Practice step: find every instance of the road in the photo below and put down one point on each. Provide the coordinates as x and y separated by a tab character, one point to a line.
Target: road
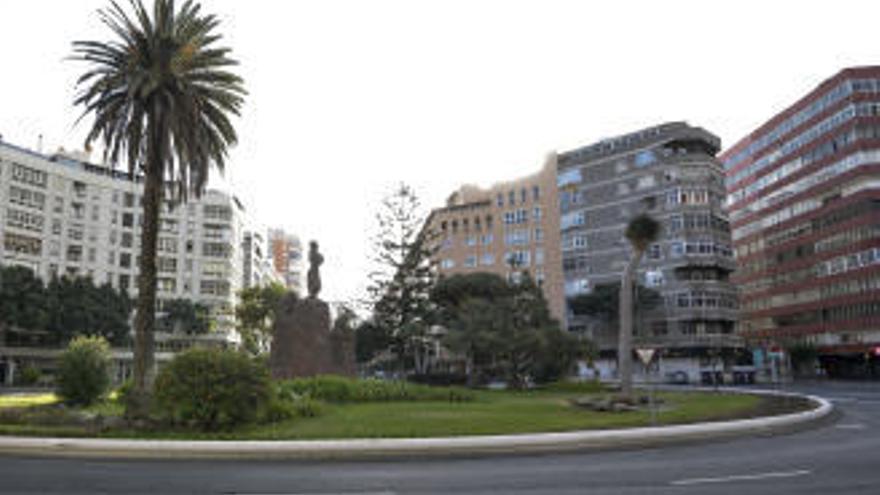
843	457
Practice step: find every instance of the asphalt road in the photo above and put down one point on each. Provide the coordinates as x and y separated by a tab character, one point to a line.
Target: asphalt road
841	458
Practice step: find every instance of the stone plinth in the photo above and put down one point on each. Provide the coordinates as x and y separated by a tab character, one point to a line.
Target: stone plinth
303	343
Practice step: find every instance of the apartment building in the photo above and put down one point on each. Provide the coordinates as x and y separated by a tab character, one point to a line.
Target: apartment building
504	229
61	215
287	258
671	173
804	202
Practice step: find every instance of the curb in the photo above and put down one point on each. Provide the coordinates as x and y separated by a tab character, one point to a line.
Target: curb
425	447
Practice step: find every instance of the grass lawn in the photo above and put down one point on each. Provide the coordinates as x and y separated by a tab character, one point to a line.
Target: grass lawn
492	412
27	400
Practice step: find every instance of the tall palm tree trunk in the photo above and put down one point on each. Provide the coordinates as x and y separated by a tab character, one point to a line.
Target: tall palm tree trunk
624	346
145	318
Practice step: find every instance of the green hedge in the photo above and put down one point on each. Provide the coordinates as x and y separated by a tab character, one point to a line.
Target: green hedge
332	388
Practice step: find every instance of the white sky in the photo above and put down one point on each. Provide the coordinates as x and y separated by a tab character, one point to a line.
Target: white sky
347	98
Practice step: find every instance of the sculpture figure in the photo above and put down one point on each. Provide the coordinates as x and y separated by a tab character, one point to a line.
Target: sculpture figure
314	277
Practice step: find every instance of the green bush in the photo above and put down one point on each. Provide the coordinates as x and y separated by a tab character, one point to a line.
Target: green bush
212	389
30	375
340	389
84	371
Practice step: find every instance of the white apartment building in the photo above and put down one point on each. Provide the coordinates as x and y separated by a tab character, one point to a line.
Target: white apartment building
61	215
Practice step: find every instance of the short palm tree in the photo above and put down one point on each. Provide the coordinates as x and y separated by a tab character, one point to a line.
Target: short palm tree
161	94
640	232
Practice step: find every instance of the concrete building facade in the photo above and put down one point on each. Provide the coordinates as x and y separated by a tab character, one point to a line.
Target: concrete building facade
485	229
804	201
61	215
671	173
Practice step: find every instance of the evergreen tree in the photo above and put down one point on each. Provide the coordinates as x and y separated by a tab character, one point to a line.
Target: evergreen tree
401	285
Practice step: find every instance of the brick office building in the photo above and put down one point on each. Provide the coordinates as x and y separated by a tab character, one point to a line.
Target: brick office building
804	202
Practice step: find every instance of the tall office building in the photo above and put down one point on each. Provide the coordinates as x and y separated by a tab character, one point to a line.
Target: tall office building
669	172
504	229
287	257
804	201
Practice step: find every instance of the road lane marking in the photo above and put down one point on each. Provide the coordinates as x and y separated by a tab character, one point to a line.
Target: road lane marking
852	426
316	493
741	477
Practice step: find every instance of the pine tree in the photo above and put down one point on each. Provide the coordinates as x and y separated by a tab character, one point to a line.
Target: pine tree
401	285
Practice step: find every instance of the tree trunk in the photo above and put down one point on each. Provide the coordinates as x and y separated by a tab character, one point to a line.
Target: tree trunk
139	403
624	346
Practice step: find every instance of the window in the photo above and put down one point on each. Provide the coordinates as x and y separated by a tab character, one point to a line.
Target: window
539	234
486	239
166	264
128	220
216	249
536	214
500	200
124	282
511	198
645	158
518	259
470	261
539	256
523	196
654	278
167	245
24	220
516	237
125	260
536	193
571	176
471	240
655	252
74	254
29	175
127	239
75	232
166	285
447	264
26	197
487	259
128	200
92	255
574	219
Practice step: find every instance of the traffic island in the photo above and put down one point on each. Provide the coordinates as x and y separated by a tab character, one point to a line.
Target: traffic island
818	410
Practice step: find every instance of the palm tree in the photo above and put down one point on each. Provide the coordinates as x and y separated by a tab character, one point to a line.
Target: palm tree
161	94
640	232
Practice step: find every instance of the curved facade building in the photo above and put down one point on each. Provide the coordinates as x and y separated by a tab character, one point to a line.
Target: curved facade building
670	172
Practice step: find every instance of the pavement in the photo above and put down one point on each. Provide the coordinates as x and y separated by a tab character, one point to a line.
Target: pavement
421	447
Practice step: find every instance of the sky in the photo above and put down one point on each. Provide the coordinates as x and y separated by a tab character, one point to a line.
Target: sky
349	98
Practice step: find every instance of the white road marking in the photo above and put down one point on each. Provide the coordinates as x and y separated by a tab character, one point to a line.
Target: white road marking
322	493
851	426
742	477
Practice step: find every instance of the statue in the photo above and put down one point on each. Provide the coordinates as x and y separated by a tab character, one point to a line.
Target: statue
304	342
314	277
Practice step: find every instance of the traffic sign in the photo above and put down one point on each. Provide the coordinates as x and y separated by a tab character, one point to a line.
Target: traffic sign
646	354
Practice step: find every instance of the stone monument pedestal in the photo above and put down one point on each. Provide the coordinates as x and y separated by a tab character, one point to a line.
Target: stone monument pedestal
304	344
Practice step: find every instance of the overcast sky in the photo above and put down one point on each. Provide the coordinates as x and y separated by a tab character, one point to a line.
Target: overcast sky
347	98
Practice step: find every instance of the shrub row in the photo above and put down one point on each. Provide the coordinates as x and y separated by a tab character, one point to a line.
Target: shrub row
340	389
